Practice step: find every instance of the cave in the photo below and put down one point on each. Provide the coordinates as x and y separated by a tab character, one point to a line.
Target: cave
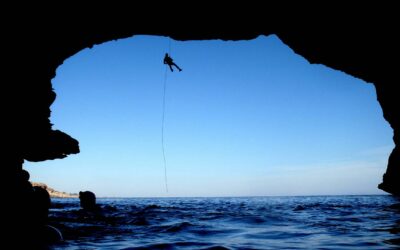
360	41
356	45
258	110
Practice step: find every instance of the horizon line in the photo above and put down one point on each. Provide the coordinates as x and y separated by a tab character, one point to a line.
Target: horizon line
222	196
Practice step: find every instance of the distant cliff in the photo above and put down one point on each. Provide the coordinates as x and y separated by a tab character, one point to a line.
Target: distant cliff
54	193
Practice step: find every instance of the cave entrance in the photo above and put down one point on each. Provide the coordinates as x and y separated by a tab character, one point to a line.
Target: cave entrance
242	118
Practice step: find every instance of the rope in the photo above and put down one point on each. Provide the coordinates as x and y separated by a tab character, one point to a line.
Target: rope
163	120
169	46
162	130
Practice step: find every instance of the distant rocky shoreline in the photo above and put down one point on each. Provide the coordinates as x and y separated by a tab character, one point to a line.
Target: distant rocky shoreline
54	193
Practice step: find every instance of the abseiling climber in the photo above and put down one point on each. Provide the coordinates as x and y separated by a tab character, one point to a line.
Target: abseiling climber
168	60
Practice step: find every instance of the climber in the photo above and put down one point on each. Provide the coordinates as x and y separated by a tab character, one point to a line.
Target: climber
168	60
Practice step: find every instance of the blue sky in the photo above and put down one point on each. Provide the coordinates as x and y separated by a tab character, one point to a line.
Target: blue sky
243	118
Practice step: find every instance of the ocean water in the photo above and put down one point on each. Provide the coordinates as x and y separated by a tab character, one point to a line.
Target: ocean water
313	222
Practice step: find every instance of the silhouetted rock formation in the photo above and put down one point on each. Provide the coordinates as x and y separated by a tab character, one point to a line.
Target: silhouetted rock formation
27	214
349	40
54	193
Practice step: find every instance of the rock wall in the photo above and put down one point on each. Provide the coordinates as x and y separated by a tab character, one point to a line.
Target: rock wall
359	41
54	193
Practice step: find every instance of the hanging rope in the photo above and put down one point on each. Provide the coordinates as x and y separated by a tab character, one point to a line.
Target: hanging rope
163	120
162	130
169	46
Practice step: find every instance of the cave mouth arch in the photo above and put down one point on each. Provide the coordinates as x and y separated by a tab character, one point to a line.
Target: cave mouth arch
182	103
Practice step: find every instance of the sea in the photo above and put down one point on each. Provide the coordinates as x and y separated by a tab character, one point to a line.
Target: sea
301	222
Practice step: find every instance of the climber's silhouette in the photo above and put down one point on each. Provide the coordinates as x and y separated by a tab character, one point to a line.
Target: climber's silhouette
168	60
